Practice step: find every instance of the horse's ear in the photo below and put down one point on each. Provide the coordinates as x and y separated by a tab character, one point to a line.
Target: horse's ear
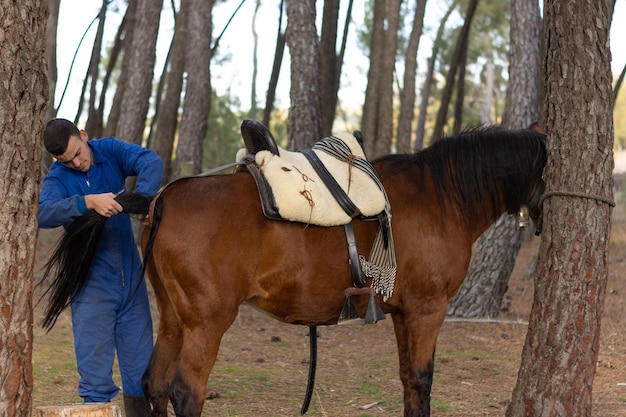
535	128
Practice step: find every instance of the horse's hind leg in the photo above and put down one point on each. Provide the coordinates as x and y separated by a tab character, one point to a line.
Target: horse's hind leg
158	375
201	344
416	337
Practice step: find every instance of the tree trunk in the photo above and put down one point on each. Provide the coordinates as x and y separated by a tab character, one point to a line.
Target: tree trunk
166	123
328	65
94	122
197	105
561	350
130	18
428	79
51	59
377	119
138	88
497	248
278	60
407	95
442	115
460	89
304	126
255	64
23	103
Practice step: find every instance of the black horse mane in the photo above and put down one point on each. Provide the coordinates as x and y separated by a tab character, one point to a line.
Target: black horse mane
70	262
480	167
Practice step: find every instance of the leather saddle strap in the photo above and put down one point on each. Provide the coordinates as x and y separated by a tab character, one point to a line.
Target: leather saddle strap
335	189
357	274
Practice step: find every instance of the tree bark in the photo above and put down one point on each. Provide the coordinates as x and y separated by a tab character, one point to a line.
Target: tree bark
428	79
51	59
407	95
304	126
116	107
140	71
197	104
23	105
278	60
487	278
94	118
377	119
561	350
457	57
166	123
328	65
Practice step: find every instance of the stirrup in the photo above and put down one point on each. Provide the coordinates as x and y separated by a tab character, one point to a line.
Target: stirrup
348	313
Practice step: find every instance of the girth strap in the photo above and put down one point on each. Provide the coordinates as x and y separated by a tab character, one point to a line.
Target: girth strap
357	274
335	189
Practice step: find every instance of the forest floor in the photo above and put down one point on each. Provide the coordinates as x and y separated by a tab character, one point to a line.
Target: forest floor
262	366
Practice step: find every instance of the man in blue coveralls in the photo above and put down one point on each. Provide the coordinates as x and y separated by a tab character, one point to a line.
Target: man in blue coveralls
112	312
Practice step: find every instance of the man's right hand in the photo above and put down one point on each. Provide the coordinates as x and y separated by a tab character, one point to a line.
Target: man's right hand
104	204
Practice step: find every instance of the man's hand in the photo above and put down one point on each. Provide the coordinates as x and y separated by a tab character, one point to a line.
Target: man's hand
104	204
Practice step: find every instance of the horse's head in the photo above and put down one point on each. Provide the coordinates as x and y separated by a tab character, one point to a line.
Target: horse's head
532	211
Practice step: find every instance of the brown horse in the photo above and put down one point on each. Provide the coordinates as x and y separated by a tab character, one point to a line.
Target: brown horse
212	249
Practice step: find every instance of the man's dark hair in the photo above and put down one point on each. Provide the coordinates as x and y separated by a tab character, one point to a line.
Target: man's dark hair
57	135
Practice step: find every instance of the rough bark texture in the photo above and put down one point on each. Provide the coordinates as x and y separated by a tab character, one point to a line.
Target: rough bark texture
197	104
457	58
407	95
164	129
51	59
487	279
483	289
561	349
23	102
377	118
328	65
304	126
428	79
116	107
140	70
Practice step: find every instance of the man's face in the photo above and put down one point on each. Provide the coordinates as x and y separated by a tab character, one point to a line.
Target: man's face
78	154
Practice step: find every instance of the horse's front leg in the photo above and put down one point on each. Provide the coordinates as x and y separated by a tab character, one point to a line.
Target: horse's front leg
201	342
416	335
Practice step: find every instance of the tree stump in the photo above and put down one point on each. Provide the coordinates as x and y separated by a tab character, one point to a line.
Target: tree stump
80	410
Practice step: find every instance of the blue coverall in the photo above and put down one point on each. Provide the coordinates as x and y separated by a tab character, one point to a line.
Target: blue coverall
112	312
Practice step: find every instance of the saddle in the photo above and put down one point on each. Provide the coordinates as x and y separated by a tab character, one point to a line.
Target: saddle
327	185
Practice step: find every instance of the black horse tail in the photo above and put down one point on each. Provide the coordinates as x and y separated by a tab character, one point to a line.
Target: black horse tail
155	221
74	254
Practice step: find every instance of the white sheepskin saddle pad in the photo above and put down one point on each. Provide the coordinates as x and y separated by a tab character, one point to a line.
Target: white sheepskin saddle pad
300	195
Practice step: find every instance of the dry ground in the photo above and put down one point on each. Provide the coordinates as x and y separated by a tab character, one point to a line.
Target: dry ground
262	366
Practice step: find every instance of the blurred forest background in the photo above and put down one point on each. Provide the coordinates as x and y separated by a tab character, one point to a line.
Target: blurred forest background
403	72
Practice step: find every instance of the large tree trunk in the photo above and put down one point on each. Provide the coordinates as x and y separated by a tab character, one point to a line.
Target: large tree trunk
23	103
407	95
304	126
197	105
377	118
561	349
490	270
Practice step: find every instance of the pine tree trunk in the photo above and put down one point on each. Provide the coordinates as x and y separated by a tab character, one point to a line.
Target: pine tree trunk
497	249
304	126
561	350
23	100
